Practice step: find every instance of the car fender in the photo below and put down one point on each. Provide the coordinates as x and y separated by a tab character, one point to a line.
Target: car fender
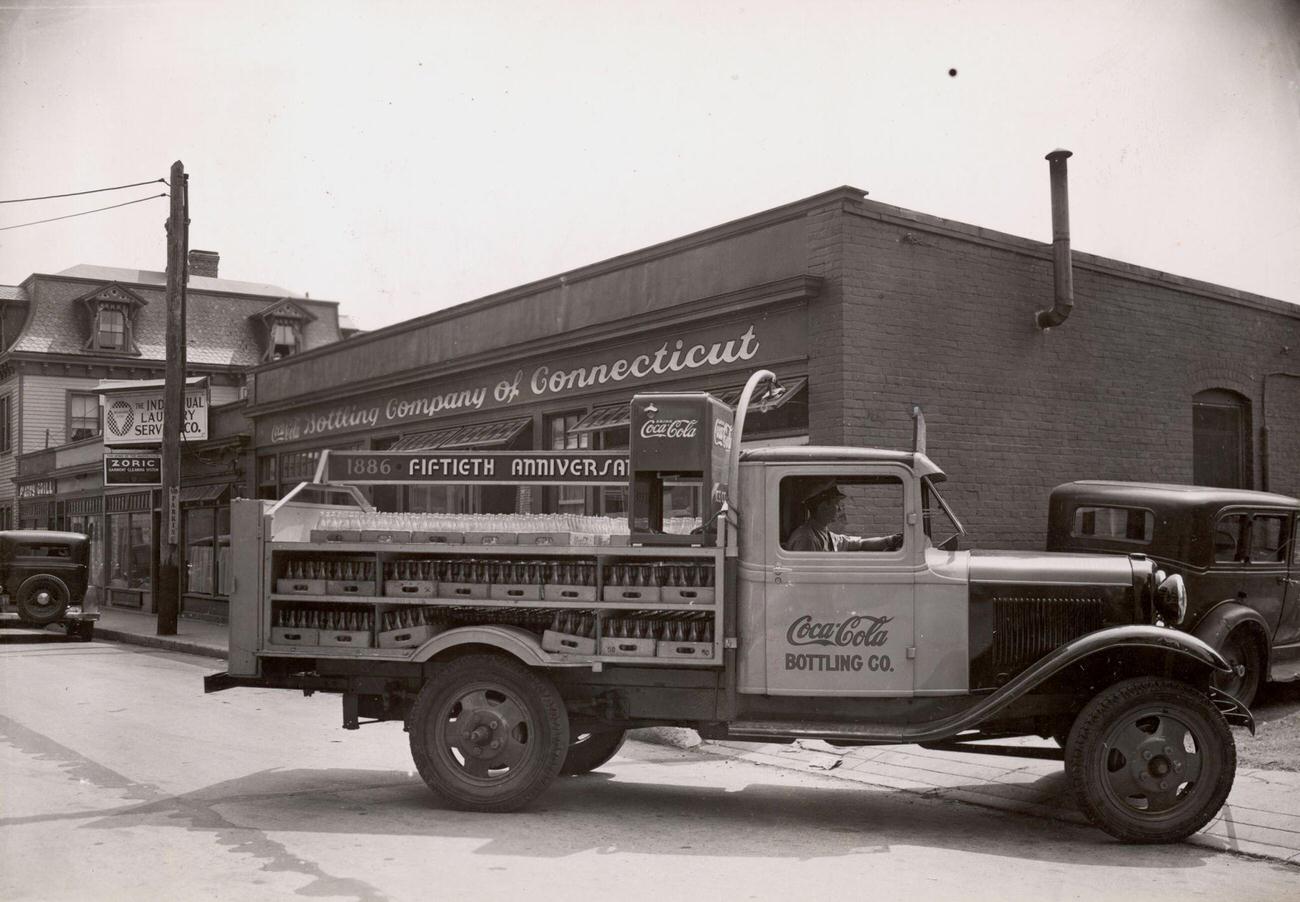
516	642
1225	617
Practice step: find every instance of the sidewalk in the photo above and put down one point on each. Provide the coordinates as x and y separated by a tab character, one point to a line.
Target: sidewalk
1261	817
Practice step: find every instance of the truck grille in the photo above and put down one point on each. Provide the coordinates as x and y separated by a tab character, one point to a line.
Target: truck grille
1026	628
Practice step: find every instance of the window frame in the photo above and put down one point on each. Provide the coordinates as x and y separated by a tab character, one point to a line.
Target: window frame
69	397
6	422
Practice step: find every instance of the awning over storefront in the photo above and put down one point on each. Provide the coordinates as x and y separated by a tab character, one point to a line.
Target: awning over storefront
614	416
611	416
487	435
200	494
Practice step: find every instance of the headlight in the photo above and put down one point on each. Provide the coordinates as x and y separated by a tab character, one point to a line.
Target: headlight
1171	597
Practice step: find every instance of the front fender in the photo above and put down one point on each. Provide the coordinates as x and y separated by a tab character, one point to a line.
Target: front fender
512	640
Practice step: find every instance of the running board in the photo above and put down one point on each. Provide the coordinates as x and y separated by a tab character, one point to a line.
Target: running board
770	731
1010	751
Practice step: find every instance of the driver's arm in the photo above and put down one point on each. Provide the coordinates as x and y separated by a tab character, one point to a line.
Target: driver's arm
876	543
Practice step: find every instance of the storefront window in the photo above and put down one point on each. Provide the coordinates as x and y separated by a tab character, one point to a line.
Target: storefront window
130	550
207	551
566	499
88	525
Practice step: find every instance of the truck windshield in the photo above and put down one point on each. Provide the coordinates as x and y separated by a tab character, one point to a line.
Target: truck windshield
941	524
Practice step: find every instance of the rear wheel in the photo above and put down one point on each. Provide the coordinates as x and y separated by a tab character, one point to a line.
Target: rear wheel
42	600
589	751
1150	760
1242	653
488	734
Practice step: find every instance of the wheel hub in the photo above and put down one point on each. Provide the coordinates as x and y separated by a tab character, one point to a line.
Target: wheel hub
483	736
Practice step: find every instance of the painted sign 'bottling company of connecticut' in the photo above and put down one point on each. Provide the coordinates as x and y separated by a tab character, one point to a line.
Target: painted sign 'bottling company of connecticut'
710	349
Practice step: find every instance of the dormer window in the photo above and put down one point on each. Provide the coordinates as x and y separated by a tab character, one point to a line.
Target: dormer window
284	339
112	328
282	326
112	313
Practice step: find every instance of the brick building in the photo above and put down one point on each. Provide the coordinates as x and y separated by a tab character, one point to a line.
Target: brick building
866	309
62	336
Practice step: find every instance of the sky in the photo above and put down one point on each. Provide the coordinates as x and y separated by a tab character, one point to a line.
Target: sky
400	157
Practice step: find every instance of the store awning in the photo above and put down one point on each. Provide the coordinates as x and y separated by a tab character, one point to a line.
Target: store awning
423	441
489	435
732	395
198	494
611	416
614	416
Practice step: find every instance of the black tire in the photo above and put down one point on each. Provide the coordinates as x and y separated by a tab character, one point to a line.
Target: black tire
588	751
1241	651
488	734
1150	760
42	599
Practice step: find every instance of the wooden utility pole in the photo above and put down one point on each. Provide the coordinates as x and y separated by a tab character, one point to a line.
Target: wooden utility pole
167	594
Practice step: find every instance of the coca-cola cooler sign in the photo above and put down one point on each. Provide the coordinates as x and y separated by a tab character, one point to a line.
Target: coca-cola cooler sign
686	432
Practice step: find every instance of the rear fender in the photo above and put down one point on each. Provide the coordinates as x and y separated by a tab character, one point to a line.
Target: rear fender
516	642
1227	616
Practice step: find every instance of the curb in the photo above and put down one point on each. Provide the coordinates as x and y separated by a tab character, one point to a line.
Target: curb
166	643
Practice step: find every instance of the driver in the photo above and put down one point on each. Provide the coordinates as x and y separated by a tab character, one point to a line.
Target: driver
825	505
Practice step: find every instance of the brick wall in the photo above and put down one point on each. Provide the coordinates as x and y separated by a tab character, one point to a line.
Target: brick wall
943	315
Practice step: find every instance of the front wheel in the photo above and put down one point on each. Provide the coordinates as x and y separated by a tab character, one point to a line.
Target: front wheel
1151	760
589	751
488	734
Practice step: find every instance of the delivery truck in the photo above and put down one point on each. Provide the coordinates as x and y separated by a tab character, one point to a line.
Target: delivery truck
817	593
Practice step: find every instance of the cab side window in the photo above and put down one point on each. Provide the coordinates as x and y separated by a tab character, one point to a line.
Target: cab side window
842	513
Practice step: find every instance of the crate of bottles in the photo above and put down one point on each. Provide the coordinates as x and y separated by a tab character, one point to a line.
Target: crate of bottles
544	539
293	635
351	578
463	579
434	537
686	583
410	579
291	585
386	536
629	636
570	581
571	634
327	536
407	628
631	582
491	538
685	638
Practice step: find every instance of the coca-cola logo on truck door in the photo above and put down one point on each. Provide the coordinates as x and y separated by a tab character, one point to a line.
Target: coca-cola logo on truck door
854	631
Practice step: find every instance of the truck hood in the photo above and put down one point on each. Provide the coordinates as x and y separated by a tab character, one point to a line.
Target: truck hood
1050	568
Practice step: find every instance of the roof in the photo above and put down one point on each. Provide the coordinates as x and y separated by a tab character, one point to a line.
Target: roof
218	327
919	463
151	277
12	293
1169	494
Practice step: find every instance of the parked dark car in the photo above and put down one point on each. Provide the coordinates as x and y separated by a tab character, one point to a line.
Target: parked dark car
1235	549
43	578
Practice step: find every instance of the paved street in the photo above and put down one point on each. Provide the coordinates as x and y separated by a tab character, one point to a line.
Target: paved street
121	780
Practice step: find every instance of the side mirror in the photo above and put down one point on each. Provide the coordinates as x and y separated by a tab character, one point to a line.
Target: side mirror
950	544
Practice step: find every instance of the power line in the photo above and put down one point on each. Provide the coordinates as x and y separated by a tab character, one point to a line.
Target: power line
138	200
23	200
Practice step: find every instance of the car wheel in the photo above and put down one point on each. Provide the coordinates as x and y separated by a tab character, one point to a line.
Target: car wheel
588	751
488	734
1150	760
42	599
1241	651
